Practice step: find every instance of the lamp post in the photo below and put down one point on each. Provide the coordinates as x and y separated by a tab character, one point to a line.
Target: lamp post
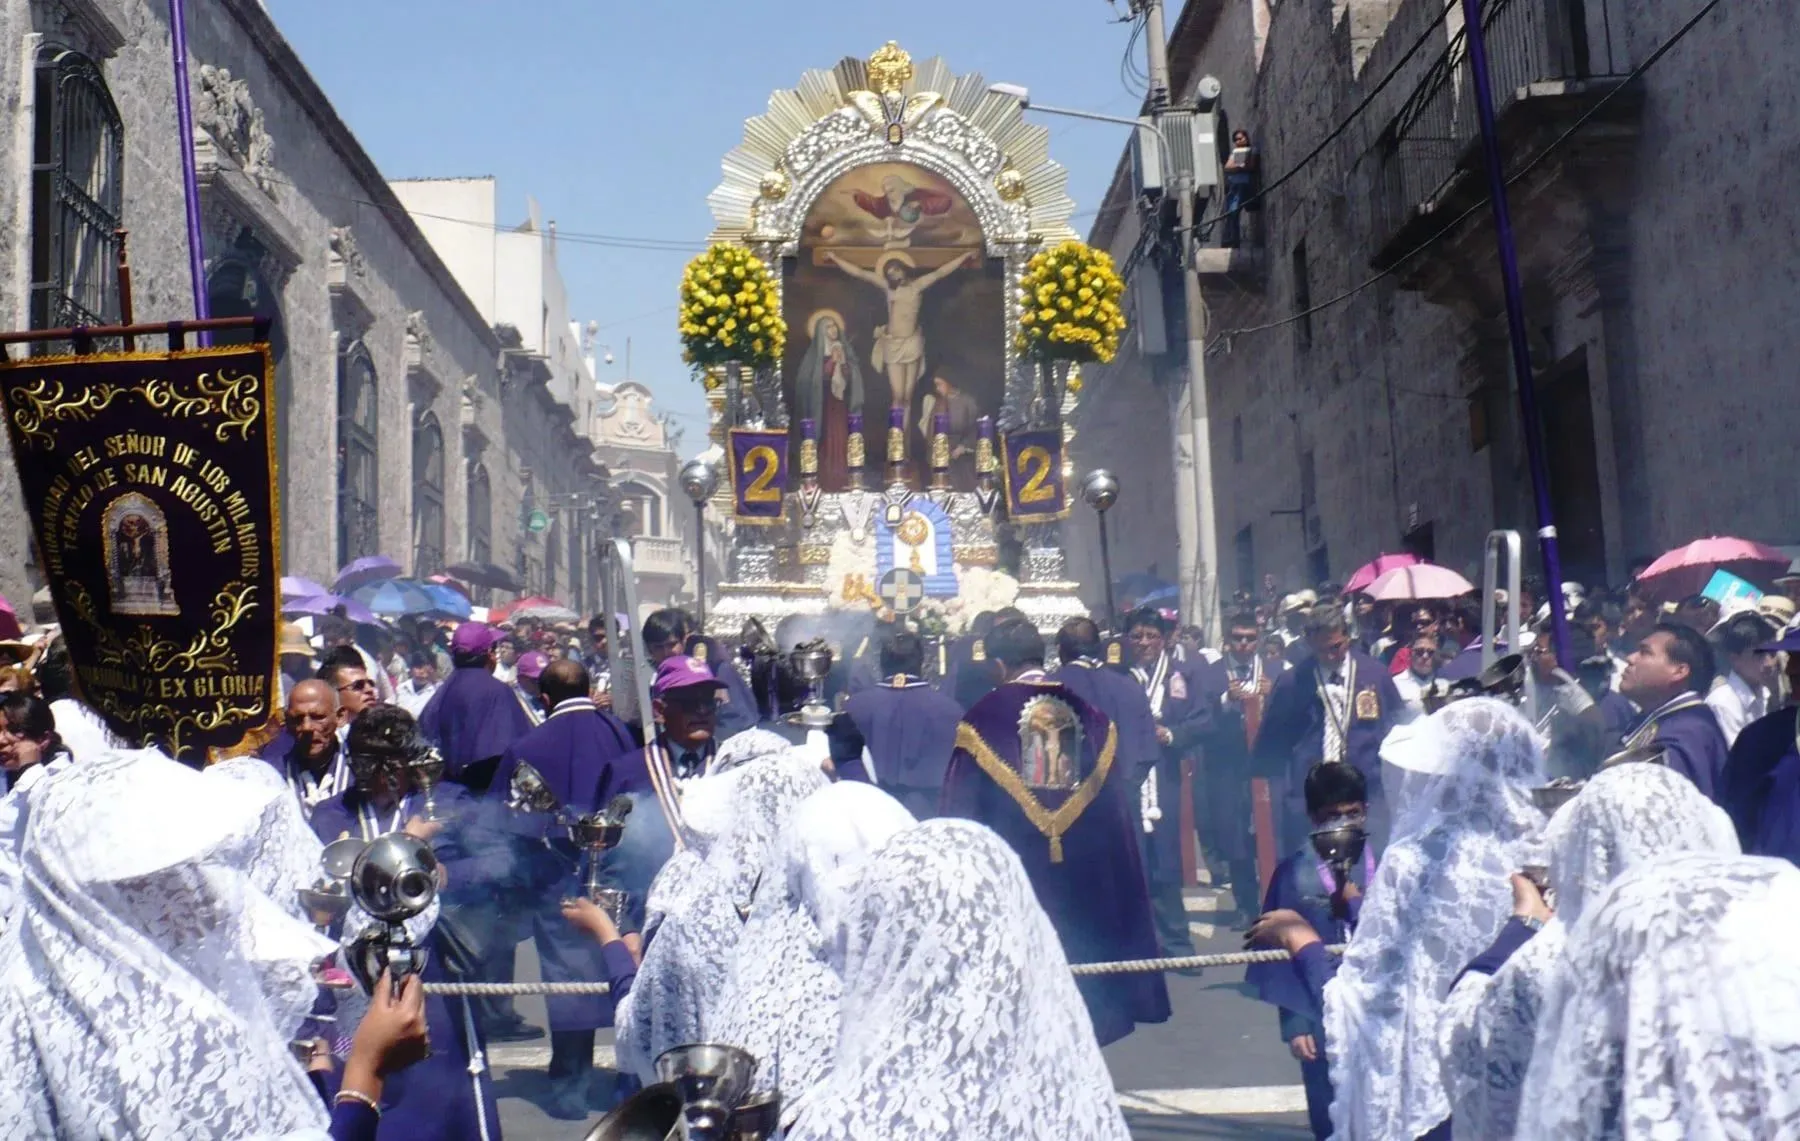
1100	491
700	478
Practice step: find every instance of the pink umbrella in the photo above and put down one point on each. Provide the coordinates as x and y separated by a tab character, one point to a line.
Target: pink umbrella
1420	580
1685	570
1374	569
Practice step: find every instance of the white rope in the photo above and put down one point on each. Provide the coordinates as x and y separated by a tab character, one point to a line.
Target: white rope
1121	967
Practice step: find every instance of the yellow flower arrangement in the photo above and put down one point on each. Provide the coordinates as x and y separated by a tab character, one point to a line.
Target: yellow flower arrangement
1069	301
729	310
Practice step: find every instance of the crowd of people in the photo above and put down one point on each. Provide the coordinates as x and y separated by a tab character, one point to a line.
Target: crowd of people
884	911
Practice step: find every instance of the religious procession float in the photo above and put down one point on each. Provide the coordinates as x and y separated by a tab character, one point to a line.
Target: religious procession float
890	323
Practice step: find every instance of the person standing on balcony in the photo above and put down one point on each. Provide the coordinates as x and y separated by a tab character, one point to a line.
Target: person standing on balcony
1241	170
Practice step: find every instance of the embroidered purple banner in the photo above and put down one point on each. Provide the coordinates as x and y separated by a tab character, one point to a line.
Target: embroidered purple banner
759	475
1033	473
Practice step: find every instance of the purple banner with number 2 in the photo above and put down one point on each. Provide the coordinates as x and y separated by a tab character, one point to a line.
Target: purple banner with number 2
759	475
1033	474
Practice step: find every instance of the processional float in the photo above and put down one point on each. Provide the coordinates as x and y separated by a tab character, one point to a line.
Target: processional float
889	325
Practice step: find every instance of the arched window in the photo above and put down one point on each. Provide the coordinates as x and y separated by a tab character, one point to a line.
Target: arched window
428	497
642	510
551	541
358	421
481	524
77	196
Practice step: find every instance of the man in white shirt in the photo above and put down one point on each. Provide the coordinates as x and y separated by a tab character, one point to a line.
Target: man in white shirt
1420	672
420	684
1742	695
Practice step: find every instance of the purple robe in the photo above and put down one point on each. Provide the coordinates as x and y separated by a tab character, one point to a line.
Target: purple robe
1292	739
1095	894
1693	746
436	1099
578	750
910	732
1190	698
1760	787
473	718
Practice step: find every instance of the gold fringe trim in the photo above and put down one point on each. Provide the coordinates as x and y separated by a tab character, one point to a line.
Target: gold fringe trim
1051	824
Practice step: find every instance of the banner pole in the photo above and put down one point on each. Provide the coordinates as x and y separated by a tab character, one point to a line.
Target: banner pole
190	179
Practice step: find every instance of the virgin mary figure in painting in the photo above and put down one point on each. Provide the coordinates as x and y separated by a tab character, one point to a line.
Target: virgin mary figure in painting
828	389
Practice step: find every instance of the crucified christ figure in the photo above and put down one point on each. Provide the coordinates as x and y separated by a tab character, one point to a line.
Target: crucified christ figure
900	344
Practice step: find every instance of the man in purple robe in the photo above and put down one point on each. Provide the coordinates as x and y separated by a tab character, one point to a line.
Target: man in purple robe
1337	705
474	717
908	728
577	750
1669	674
1183	697
448	1096
1039	766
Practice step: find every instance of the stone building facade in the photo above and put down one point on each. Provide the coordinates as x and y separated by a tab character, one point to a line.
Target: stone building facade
393	388
1658	246
639	452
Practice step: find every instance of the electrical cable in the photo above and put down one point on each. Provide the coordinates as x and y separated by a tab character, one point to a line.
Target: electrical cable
1630	78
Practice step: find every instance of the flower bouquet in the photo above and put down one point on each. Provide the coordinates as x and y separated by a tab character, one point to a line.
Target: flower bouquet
730	313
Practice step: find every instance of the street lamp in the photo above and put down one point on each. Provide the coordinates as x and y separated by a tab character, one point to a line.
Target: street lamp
699	477
1100	491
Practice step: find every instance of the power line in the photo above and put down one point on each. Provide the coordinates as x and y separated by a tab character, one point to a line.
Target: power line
1482	204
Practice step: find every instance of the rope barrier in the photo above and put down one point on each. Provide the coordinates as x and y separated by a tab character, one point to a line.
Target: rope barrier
1121	967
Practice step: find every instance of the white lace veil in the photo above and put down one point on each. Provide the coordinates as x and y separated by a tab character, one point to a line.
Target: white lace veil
694	916
781	993
150	986
960	1018
1678	1013
1625	816
1440	894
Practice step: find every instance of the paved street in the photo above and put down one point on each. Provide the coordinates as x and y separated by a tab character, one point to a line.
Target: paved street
1215	1071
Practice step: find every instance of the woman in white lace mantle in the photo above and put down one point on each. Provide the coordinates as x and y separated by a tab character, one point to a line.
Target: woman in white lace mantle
781	995
694	915
960	1019
1440	893
1676	1011
1625	816
150	986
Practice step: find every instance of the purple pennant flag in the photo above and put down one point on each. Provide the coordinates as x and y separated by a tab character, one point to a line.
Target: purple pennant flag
1034	476
759	475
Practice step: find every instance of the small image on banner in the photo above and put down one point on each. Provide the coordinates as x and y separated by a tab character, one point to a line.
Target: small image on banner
149	479
1033	474
759	475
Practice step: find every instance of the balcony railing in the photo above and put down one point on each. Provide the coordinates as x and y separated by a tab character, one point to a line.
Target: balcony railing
658	556
1542	50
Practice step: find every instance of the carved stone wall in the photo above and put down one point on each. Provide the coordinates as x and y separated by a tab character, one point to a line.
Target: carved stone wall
277	178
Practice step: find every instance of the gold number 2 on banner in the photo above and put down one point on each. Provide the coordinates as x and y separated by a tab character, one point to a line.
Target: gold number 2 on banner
1034	469
761	463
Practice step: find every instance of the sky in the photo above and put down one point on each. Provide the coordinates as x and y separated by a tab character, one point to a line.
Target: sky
615	116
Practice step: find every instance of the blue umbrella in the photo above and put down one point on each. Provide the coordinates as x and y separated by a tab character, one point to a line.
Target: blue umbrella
322	604
450	602
396	597
364	571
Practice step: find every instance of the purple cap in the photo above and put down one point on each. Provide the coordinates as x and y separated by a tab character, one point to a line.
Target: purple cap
984	427
679	671
940	423
855	421
897	416
809	428
532	664
474	638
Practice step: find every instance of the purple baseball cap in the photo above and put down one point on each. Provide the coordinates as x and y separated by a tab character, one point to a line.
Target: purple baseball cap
679	671
474	638
532	664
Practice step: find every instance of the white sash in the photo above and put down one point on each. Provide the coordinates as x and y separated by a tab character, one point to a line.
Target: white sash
1337	717
1149	805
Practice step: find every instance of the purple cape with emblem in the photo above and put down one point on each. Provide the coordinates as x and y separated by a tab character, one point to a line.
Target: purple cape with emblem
1694	746
1095	894
473	718
1760	787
